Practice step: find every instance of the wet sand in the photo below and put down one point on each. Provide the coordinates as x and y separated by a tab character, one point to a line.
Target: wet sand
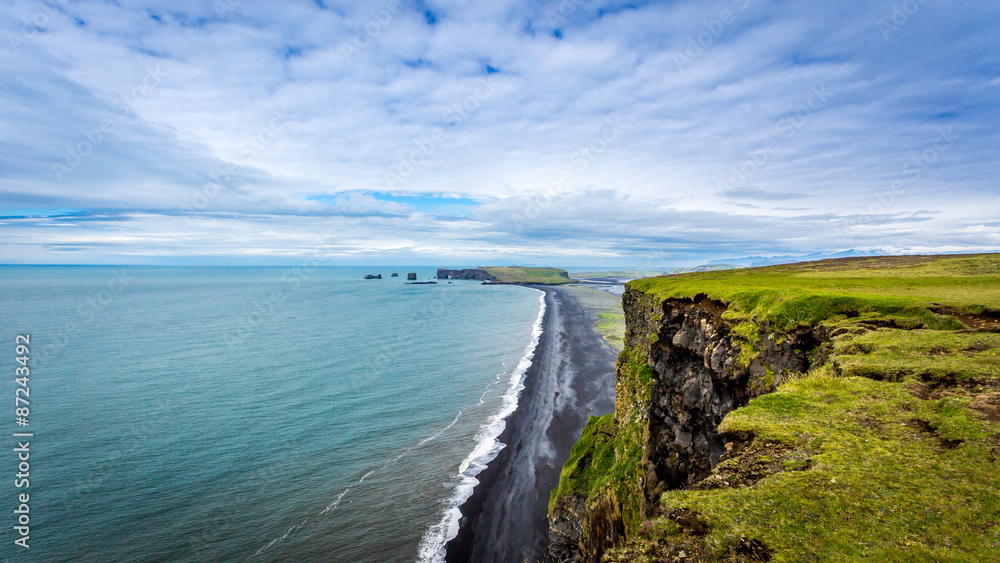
571	377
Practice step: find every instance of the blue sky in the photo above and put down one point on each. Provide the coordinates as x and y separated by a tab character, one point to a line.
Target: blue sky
567	132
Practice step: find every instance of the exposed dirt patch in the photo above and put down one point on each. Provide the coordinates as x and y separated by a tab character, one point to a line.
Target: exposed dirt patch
748	461
985	396
988	405
925	427
948	383
750	550
717	308
689	521
886	323
987	321
684	550
977	348
920	391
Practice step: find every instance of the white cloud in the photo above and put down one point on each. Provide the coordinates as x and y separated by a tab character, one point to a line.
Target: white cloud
352	119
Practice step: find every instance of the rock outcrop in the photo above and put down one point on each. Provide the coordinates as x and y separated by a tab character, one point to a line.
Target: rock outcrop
411	276
684	368
467	274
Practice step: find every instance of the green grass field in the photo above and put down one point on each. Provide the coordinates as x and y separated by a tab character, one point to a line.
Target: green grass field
524	275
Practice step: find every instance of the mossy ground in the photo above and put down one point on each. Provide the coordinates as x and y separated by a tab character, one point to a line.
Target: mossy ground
888	451
609	452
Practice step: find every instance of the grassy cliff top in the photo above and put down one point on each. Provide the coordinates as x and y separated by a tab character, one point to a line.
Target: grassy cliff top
915	287
888	449
518	274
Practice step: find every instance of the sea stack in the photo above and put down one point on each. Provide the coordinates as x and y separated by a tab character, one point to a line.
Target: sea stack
411	276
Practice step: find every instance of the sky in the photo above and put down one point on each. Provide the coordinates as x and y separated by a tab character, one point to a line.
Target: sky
572	133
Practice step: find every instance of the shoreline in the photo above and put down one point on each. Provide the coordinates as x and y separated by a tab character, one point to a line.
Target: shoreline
571	377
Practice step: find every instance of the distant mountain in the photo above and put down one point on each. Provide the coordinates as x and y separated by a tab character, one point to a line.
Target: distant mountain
754	261
703	268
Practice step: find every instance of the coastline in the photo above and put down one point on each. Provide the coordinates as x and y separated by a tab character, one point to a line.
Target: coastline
571	377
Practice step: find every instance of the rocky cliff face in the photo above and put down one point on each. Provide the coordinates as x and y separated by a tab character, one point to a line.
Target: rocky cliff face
699	365
467	274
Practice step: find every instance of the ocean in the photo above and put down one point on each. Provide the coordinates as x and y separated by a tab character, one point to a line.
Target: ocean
255	414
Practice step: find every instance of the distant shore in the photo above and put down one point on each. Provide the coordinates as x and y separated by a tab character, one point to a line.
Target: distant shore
571	377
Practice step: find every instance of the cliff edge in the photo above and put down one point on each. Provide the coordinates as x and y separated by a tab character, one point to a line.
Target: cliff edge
831	411
508	275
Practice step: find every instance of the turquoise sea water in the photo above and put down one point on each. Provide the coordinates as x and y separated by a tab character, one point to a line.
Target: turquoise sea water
254	414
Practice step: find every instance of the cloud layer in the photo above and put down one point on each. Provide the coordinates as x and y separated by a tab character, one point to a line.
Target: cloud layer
578	132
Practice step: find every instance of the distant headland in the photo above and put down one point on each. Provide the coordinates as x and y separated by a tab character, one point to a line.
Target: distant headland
508	275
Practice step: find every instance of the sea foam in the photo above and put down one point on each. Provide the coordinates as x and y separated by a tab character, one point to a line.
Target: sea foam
488	446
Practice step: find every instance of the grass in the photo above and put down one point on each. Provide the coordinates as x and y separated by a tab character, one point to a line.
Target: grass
785	296
888	450
518	274
617	274
889	477
928	356
607	311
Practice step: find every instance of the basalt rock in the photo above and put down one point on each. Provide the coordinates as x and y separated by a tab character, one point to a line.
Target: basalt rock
467	274
703	366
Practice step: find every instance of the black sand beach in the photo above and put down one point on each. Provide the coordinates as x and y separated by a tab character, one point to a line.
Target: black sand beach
571	377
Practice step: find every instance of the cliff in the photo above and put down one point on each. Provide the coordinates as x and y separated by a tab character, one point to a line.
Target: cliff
508	275
829	411
467	274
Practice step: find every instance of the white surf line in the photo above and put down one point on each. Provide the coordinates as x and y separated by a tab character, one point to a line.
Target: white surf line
332	506
432	544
